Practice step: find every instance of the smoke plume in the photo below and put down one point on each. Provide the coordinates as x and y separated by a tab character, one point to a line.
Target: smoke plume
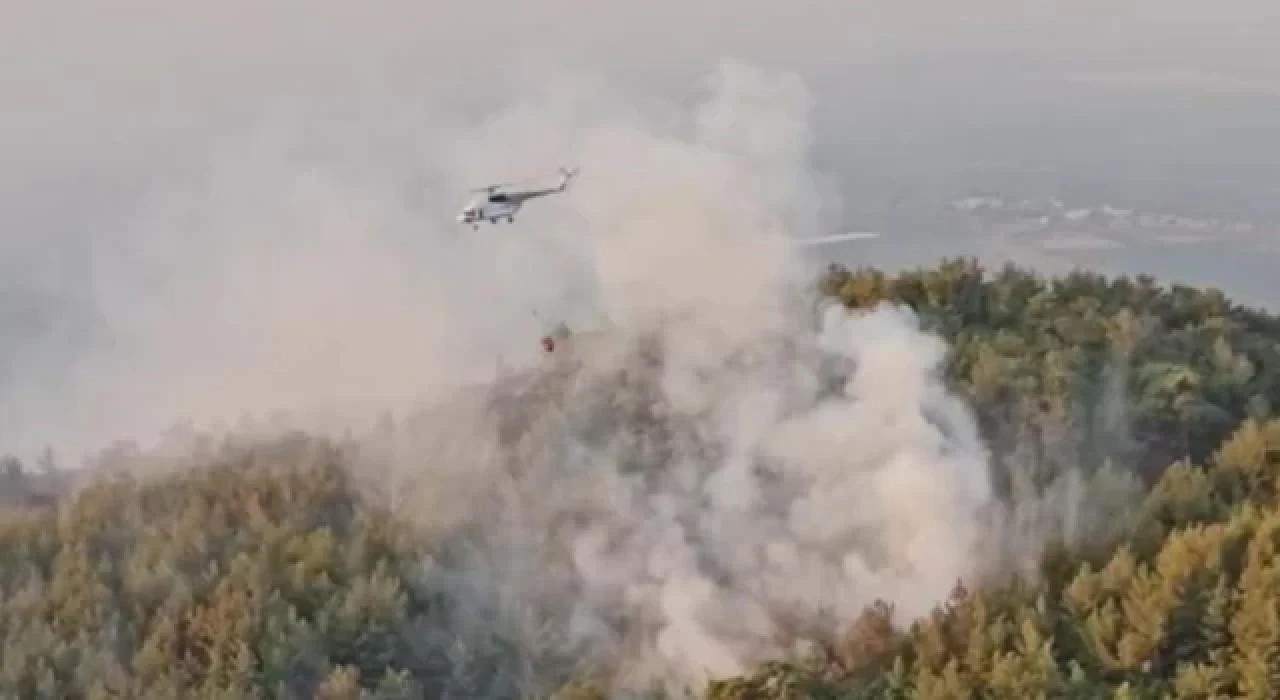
719	468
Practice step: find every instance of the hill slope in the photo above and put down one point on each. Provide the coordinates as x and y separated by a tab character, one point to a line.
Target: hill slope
604	522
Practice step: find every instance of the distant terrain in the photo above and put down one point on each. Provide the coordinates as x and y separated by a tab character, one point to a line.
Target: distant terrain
1201	232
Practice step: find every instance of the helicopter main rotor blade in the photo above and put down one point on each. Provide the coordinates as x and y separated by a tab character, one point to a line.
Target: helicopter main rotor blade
837	238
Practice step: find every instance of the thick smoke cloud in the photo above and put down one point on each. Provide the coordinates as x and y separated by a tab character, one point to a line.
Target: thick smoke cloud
685	517
679	521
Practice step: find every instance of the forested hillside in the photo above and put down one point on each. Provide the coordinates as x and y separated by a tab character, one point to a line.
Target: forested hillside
269	570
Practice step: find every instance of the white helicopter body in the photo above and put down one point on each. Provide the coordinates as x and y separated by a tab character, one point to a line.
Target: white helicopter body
494	206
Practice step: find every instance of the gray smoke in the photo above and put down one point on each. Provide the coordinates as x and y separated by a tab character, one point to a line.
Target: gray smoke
681	510
687	514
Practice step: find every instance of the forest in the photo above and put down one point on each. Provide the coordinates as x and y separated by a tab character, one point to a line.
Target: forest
264	569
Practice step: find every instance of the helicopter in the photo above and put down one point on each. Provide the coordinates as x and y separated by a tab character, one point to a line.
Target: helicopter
494	206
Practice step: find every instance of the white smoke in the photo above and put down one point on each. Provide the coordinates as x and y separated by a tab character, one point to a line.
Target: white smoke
874	492
689	518
706	504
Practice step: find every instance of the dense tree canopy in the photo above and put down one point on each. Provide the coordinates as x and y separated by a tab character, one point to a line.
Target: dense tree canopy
266	572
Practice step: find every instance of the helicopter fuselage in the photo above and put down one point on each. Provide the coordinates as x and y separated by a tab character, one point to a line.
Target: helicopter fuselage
487	209
495	205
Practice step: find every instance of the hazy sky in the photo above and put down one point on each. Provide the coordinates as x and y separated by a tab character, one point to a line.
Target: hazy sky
100	96
120	119
124	75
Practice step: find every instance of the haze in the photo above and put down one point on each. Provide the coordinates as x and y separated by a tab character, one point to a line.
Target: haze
122	121
104	100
